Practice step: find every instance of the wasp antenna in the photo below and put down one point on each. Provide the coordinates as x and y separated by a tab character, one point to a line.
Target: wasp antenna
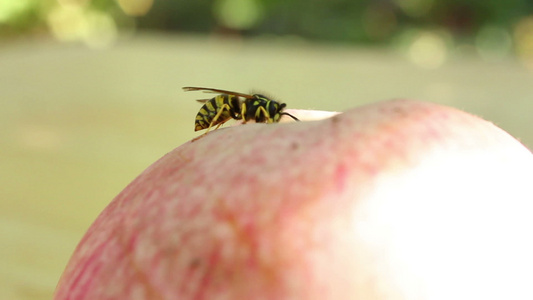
293	117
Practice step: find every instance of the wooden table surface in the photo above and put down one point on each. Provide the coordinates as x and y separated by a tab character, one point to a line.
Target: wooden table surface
78	124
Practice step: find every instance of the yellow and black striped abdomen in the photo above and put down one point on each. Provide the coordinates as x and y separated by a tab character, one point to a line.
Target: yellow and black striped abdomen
224	106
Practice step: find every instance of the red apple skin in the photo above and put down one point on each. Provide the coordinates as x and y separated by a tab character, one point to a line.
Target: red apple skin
394	200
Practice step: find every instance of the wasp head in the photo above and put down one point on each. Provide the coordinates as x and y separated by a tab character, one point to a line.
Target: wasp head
275	109
266	110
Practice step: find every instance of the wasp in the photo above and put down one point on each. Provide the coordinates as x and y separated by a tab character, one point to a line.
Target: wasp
232	105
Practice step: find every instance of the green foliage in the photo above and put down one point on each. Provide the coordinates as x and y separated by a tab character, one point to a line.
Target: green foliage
323	20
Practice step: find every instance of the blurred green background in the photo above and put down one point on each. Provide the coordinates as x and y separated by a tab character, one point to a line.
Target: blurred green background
90	91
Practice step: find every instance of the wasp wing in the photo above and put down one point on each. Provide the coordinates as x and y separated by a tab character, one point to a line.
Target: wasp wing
217	91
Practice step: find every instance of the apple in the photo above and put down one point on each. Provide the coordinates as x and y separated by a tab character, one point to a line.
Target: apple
395	200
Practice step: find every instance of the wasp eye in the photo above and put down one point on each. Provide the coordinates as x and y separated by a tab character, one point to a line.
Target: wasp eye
280	107
273	109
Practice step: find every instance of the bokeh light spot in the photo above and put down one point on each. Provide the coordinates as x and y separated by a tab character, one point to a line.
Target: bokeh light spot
67	22
10	9
428	50
75	23
102	30
493	43
135	7
523	36
238	14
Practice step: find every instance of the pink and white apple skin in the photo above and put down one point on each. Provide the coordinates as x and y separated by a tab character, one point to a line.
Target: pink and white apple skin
394	200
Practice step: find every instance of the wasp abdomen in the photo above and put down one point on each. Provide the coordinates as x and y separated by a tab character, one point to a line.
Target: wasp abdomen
225	106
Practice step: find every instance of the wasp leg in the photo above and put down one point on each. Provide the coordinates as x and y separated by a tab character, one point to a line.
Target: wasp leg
243	113
267	116
215	118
